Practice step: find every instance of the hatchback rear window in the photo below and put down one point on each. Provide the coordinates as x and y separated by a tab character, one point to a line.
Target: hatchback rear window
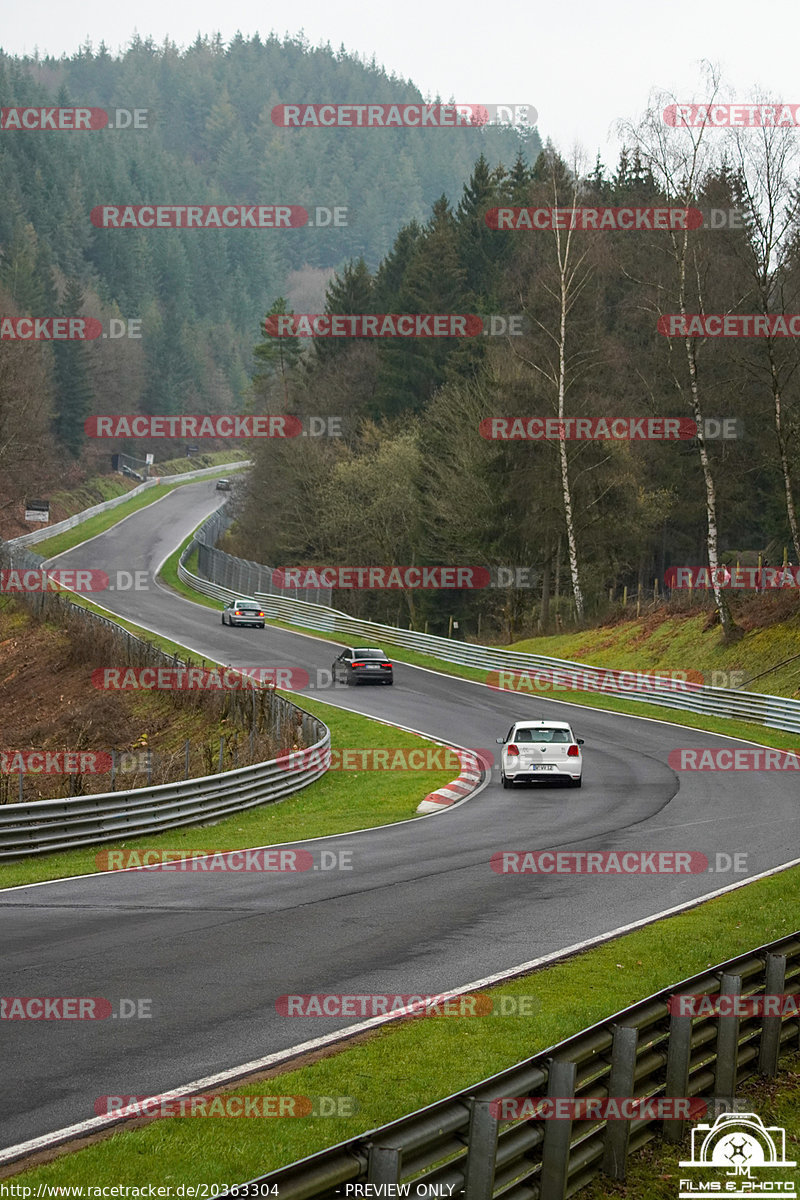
542	735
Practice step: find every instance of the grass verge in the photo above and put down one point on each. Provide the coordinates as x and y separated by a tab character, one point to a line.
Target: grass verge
568	996
723	725
654	1174
337	803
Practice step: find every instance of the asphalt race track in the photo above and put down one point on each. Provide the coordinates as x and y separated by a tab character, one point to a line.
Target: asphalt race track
421	911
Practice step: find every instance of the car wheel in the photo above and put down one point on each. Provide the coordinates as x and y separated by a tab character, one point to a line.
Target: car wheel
263	625
576	782
506	782
389	681
223	618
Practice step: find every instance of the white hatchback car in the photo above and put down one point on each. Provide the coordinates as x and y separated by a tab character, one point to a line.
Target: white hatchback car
541	752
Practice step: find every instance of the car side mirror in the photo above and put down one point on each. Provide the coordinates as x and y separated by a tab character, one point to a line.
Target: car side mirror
579	741
500	741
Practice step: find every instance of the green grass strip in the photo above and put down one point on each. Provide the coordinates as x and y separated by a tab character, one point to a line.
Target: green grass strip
70	538
389	1073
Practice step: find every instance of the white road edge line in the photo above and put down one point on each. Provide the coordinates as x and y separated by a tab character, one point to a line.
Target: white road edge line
84	1128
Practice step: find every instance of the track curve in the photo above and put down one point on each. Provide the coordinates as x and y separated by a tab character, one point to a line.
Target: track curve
421	910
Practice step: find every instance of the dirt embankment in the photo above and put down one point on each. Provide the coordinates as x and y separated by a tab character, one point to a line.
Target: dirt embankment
48	702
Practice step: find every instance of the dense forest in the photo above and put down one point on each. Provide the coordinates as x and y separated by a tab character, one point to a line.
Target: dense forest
200	295
413	481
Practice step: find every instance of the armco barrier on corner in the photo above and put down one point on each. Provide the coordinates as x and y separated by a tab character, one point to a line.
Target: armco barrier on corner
48	531
775	712
45	825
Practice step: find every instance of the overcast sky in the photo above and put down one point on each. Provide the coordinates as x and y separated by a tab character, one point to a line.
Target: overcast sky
582	64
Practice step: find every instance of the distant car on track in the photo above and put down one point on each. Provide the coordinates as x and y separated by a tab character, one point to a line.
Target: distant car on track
356	664
541	752
243	611
223	485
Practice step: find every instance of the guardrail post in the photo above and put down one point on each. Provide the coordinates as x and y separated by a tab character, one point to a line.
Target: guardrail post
770	1044
481	1151
621	1082
557	1133
679	1049
727	1043
384	1164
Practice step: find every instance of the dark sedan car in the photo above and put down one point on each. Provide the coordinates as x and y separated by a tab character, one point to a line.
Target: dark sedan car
355	664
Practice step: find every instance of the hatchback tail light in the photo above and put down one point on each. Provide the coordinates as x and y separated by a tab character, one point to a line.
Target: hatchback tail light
573	751
512	749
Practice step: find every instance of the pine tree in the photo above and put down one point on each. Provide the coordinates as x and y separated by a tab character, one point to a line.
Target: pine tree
276	356
350	292
73	391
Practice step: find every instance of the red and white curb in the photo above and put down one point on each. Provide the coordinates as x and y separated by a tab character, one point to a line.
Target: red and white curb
470	775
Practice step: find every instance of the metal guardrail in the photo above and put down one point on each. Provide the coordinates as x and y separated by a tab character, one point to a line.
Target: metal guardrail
642	1051
48	531
232	576
45	825
775	712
